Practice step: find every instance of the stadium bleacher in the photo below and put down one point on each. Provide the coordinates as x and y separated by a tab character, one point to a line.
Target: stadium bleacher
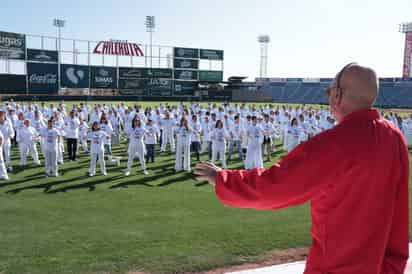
393	92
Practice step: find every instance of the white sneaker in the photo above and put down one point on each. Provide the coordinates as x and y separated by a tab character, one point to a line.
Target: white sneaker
104	173
5	177
127	173
10	168
91	174
145	172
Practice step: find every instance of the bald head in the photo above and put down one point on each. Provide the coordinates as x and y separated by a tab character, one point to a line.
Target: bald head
360	86
355	88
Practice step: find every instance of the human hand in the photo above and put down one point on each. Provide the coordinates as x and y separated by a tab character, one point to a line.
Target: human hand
206	171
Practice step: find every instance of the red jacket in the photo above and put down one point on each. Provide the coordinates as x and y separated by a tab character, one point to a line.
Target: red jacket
356	178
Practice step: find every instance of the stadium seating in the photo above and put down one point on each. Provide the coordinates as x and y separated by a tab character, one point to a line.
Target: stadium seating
394	92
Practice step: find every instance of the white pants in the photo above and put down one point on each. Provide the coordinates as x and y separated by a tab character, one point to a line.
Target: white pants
133	151
254	156
93	159
220	149
168	137
25	149
182	156
60	152
50	158
6	152
83	144
3	170
205	146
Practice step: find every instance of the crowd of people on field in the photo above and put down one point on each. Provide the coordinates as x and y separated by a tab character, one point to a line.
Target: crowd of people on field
189	130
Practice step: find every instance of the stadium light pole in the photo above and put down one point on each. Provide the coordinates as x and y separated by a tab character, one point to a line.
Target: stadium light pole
59	24
406	28
264	42
150	28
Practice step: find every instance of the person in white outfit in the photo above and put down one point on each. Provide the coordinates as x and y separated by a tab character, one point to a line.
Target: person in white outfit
6	128
254	149
27	139
83	129
50	147
71	127
150	139
3	170
168	125
219	136
407	130
293	134
184	134
97	138
136	146
268	132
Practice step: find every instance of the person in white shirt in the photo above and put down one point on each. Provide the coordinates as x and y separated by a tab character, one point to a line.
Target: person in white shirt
97	138
195	125
83	129
136	146
106	126
50	146
58	123
150	139
168	125
293	134
207	127
3	170
28	136
184	134
6	128
236	135
71	128
268	132
219	136
407	130
254	148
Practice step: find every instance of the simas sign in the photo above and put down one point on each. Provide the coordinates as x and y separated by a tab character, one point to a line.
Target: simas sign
114	47
103	77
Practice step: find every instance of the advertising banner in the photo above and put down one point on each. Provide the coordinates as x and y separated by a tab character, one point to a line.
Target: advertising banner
131	83
184	88
210	76
42	78
160	73
211	54
12	45
186	63
186	53
103	77
159	85
132	73
12	84
185	74
75	76
39	55
407	66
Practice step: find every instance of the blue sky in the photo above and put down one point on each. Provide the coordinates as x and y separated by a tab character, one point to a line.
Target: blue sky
308	38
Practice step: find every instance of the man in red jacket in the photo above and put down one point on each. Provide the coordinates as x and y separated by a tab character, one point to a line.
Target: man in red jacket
355	176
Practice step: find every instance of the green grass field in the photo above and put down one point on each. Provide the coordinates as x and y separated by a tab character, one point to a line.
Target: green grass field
160	223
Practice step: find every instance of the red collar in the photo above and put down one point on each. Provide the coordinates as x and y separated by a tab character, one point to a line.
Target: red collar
367	114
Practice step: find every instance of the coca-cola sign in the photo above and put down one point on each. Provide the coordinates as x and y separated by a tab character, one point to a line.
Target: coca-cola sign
43	78
47	79
118	48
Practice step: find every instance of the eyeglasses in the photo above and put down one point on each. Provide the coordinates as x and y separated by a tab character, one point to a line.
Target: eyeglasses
338	80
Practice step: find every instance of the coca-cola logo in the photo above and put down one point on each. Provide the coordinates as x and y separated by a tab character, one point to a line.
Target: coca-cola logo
45	79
